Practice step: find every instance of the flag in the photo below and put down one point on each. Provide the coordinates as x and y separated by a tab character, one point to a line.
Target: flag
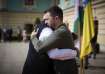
78	18
88	29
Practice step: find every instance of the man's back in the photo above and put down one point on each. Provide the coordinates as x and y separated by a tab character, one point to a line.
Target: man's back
35	63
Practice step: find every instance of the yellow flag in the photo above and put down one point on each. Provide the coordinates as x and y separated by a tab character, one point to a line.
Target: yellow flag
88	29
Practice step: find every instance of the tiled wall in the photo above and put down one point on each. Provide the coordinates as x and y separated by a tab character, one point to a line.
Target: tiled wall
98	11
20	18
68	17
19	5
99	6
15	20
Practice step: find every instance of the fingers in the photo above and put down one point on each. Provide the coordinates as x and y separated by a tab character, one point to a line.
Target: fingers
33	34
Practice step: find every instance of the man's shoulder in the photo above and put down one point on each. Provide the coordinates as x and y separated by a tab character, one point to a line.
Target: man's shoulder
62	27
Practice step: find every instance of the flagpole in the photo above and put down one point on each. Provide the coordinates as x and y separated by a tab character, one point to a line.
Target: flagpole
88	26
82	61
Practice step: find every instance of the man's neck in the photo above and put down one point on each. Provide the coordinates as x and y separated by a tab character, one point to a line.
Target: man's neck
60	23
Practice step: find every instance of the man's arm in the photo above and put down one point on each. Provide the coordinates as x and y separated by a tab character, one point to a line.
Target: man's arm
60	38
53	41
49	43
62	54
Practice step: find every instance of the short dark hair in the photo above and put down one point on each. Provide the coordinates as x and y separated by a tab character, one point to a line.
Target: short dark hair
55	11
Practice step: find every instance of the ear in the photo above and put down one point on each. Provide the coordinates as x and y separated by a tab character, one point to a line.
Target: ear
56	17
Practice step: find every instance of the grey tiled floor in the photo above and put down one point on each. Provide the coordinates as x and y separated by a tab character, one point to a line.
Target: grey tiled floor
13	54
12	57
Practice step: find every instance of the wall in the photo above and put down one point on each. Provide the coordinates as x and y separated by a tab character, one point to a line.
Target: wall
14	19
17	14
68	17
18	5
64	4
98	11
